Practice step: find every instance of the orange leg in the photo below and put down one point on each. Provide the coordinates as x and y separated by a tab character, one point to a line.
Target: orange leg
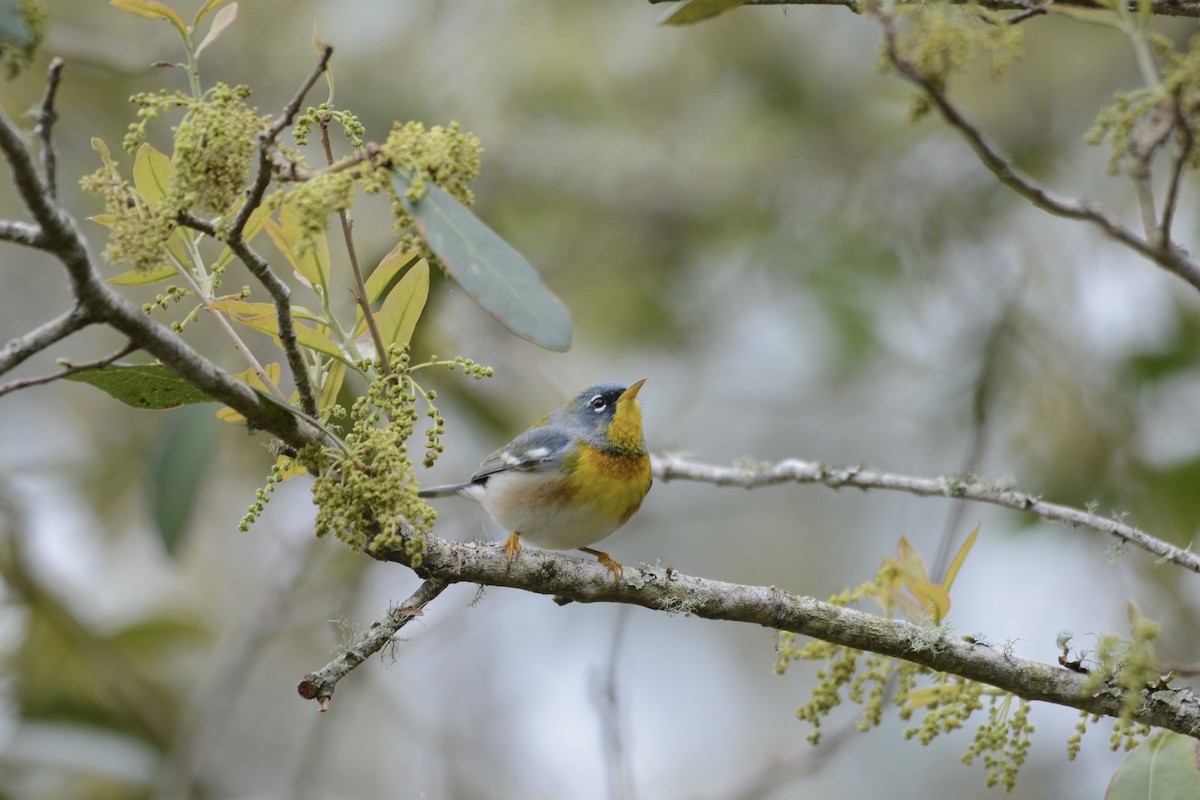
604	558
512	546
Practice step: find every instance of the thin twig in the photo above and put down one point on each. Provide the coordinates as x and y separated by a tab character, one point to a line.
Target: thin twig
279	291
239	344
22	347
1166	8
101	303
608	709
1186	144
981	403
1166	256
319	685
70	369
47	116
1152	136
281	296
668	468
267	141
360	294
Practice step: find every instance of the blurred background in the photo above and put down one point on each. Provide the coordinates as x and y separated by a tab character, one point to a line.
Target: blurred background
736	211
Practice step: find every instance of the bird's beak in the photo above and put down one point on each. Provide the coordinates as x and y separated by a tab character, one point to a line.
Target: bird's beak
632	392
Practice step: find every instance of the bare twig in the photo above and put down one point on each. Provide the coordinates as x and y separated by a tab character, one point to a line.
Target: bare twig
319	685
47	116
70	369
981	402
267	142
360	294
608	708
22	347
1187	141
279	291
577	580
1167	256
668	468
1152	136
281	297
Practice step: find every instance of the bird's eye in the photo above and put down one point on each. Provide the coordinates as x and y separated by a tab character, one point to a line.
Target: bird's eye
597	404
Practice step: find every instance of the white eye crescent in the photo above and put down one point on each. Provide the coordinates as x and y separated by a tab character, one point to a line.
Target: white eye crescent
597	404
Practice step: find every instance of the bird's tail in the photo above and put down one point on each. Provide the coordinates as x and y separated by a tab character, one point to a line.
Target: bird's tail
443	491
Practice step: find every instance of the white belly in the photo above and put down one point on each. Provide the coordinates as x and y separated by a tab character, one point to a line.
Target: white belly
539	519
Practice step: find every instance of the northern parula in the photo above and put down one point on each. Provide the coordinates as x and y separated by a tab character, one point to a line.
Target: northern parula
572	479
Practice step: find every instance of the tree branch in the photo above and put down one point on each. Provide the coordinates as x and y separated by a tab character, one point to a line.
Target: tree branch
667	468
267	140
319	685
1165	8
64	239
70	369
570	579
22	347
280	295
1166	254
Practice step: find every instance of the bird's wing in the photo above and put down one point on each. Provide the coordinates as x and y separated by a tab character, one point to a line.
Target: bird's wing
534	449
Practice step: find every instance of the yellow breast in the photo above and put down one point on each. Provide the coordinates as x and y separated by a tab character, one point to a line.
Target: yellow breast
614	485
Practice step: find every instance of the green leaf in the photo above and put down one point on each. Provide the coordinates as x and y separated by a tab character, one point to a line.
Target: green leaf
142	385
689	11
489	270
1163	767
13	27
225	17
959	558
331	387
204	9
153	174
153	10
312	263
136	278
387	271
402	308
261	317
176	469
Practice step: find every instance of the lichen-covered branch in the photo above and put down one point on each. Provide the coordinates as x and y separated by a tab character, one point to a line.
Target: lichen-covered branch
319	685
793	470
1164	8
47	116
569	579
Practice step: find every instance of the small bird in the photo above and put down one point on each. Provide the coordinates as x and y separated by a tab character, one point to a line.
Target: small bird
570	480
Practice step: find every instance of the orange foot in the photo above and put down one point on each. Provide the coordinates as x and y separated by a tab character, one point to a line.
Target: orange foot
512	546
604	558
